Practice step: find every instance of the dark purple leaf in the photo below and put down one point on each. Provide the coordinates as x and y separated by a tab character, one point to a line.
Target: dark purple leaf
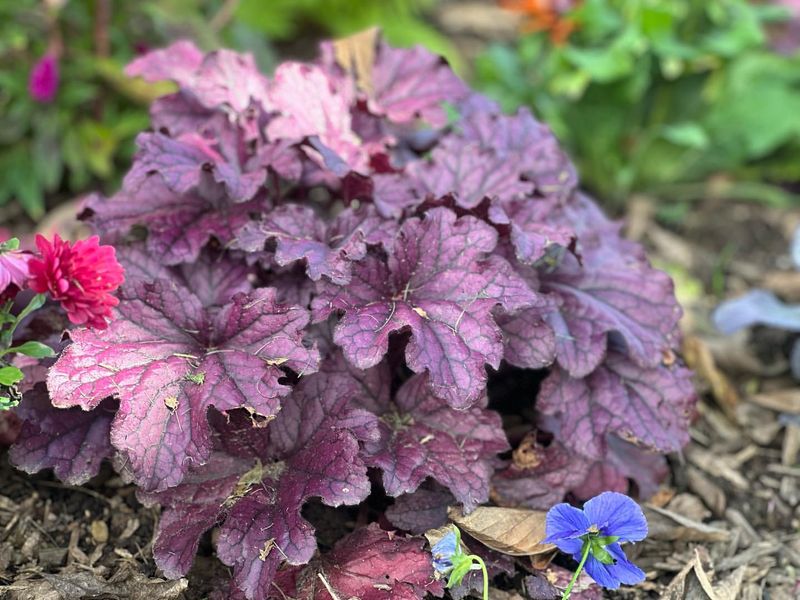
215	278
624	462
469	172
421	510
72	442
168	361
609	293
393	194
421	438
439	284
541	479
194	163
327	250
265	526
194	507
177	226
521	141
650	408
369	564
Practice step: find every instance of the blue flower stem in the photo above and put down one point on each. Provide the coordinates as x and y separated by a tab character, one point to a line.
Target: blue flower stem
482	565
586	549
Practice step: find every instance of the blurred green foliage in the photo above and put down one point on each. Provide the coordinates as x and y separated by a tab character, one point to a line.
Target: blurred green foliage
656	96
83	140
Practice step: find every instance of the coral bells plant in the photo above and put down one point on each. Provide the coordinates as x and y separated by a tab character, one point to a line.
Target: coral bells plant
338	280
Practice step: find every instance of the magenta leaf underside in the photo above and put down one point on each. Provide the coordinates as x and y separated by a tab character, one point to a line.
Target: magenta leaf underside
324	271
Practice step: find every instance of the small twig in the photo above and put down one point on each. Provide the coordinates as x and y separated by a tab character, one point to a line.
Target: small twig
328	587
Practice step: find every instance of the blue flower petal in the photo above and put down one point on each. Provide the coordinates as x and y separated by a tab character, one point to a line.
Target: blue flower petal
443	551
624	570
616	514
601	573
565	522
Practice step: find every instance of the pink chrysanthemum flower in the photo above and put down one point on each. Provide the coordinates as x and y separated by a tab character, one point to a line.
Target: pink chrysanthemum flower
43	81
13	270
82	277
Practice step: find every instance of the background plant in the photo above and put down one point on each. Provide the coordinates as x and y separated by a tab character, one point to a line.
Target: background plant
657	96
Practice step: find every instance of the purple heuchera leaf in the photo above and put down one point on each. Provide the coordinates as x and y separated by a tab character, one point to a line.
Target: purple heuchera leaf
72	442
265	526
168	360
649	408
369	564
406	84
469	172
308	106
195	506
540	479
178	226
308	451
465	246
327	250
213	80
215	278
195	163
440	284
421	510
522	141
421	437
609	293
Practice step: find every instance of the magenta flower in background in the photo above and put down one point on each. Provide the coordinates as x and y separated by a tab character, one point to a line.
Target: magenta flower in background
43	81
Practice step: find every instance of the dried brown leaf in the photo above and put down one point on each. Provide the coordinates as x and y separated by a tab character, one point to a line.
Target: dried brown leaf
666	525
698	356
513	531
787	400
125	584
356	54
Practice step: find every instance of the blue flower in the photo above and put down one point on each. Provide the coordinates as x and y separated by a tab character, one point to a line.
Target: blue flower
443	552
605	521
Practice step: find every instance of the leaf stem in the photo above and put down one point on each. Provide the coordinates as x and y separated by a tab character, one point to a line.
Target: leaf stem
482	565
586	548
36	303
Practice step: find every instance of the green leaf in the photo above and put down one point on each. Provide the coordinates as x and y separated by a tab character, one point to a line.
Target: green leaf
7	403
688	135
10	376
9	245
33	349
462	564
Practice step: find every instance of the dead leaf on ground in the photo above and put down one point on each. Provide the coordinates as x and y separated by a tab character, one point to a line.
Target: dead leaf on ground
695	581
787	400
667	525
712	495
513	531
125	584
715	465
689	506
699	357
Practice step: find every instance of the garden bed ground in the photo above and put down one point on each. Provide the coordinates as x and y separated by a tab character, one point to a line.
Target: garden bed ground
725	526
